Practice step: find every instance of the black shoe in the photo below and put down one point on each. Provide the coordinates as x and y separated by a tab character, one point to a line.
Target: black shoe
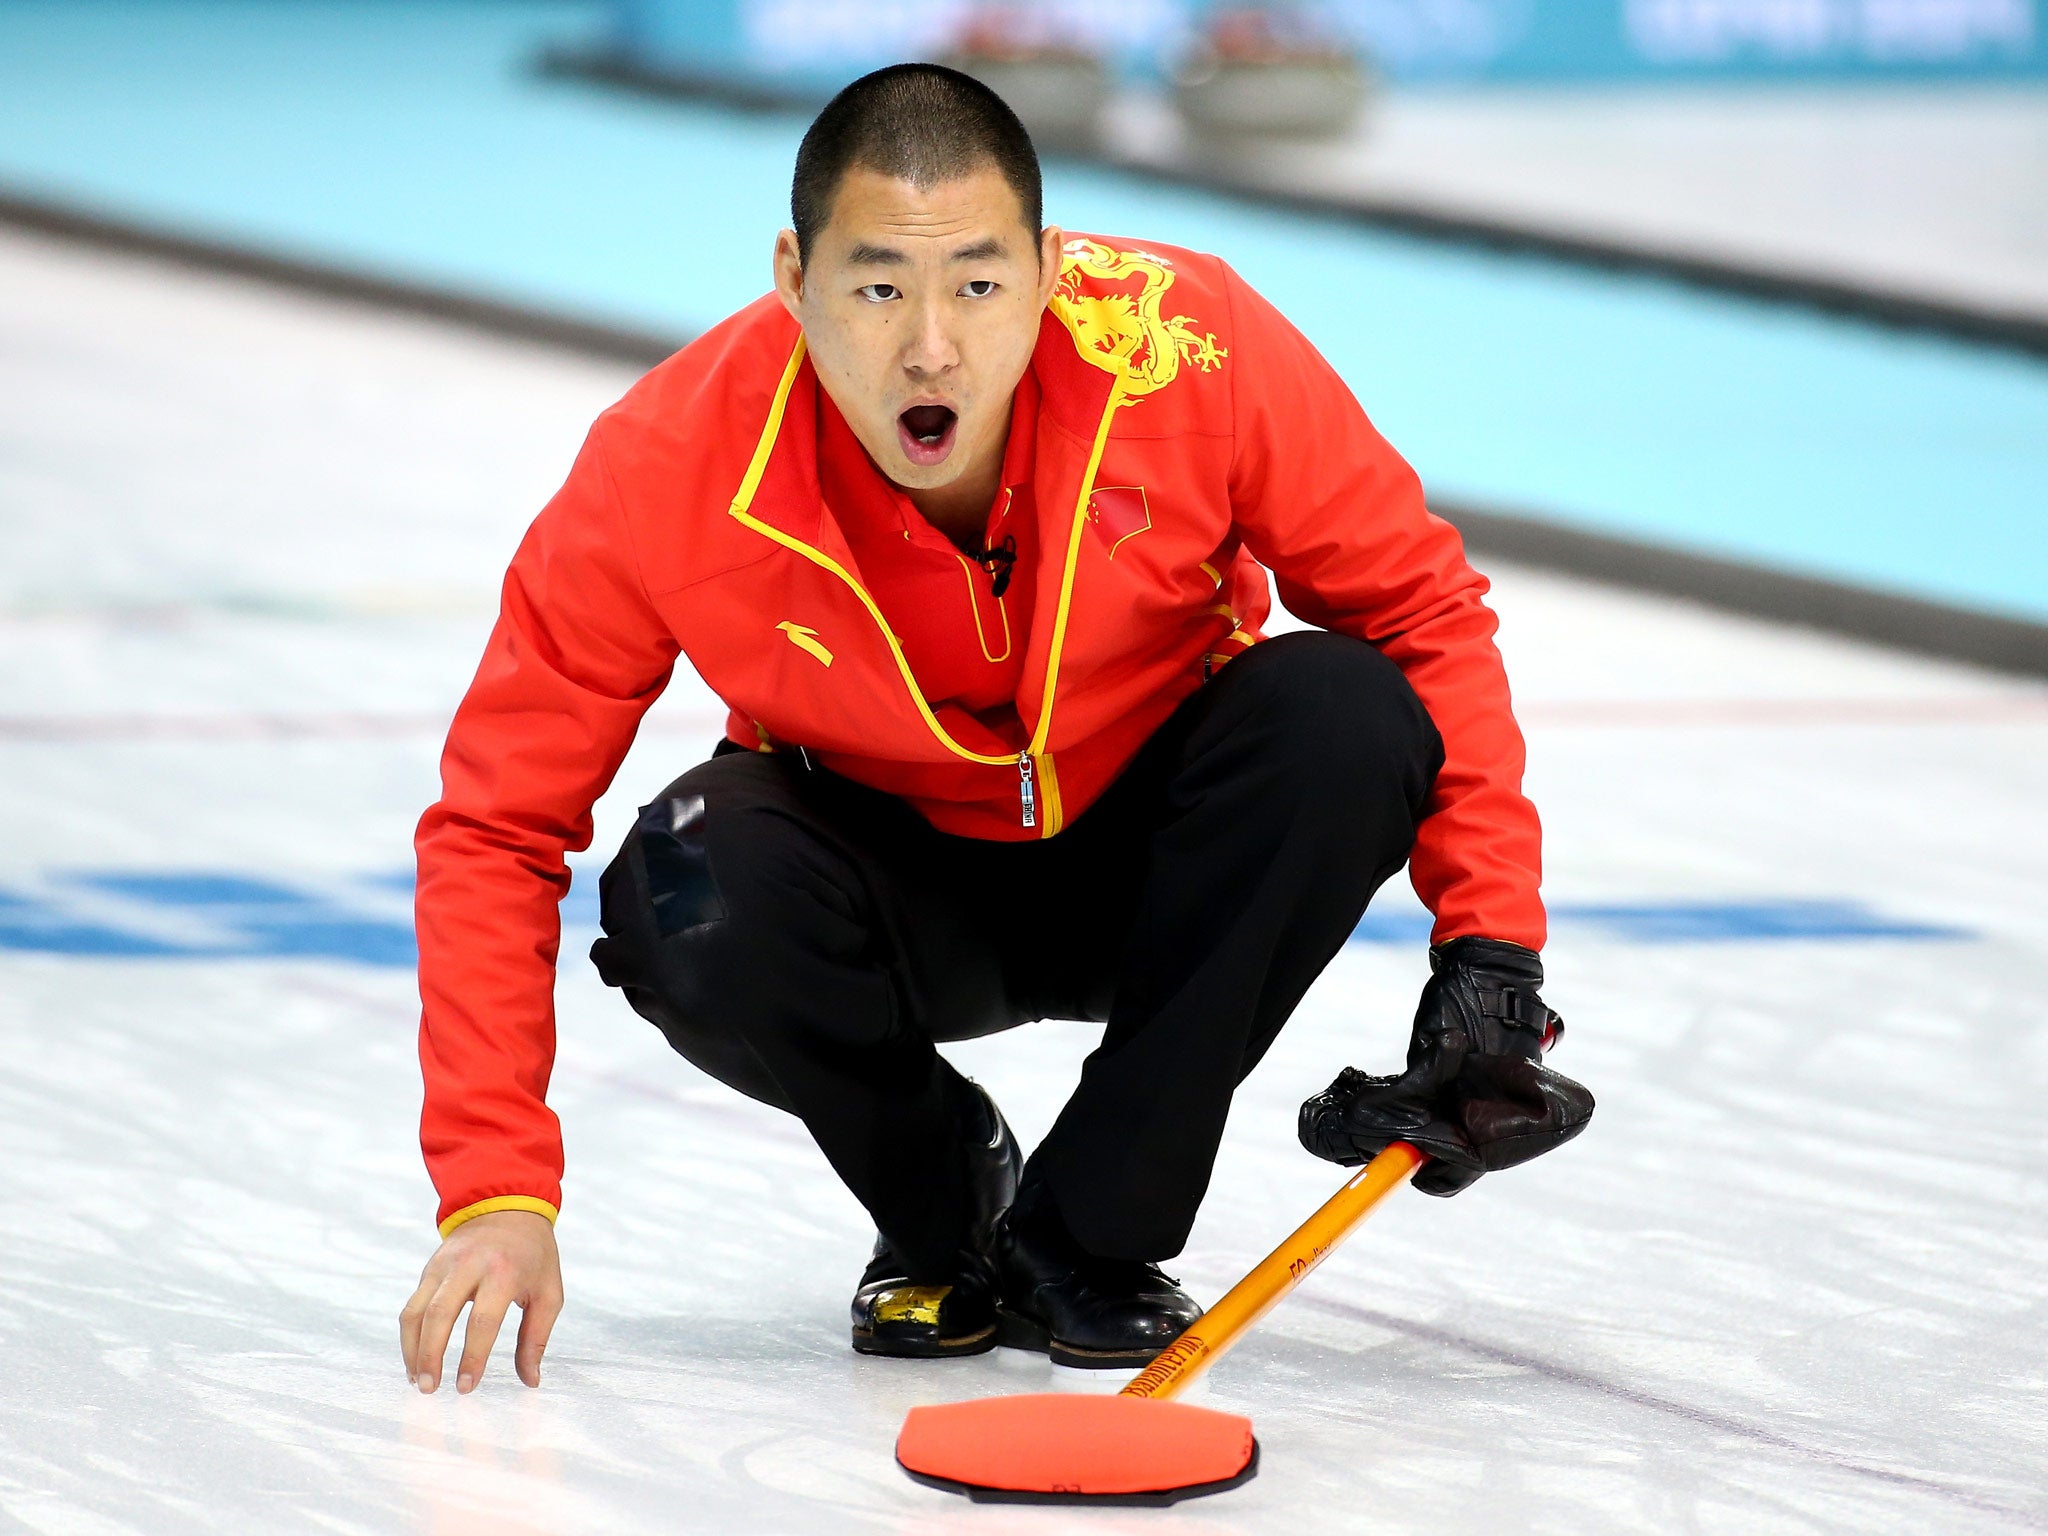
1100	1314
893	1316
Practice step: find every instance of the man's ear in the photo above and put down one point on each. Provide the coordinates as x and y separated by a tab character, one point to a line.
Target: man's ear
1051	246
789	273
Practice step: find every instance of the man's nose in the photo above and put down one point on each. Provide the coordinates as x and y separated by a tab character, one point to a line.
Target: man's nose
930	347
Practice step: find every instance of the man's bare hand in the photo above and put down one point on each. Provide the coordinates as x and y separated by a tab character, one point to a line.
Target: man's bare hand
487	1264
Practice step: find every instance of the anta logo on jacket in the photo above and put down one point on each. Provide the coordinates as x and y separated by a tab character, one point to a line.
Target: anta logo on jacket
1187	440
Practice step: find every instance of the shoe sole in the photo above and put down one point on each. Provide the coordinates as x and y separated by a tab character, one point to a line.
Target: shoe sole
1015	1331
979	1342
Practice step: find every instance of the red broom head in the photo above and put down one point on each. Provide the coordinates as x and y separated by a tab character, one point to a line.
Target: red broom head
1077	1446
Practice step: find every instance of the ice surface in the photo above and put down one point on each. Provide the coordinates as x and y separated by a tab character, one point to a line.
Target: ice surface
1795	1278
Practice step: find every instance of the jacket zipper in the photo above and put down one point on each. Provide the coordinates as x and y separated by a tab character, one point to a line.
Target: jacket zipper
1027	789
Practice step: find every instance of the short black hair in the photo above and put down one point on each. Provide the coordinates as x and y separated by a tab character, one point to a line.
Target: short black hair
924	123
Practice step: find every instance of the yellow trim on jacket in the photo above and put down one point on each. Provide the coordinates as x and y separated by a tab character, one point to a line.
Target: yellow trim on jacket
532	1203
1052	817
818	557
974	607
1059	618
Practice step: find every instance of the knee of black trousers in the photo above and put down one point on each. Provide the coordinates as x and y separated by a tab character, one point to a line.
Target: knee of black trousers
706	897
1332	717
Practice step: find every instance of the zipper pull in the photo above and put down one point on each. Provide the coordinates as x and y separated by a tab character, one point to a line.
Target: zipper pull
1027	789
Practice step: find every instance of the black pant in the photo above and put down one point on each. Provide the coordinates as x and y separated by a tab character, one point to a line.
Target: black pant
806	940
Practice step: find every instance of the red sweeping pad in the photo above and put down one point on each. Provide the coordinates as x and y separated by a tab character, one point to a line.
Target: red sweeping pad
1077	1446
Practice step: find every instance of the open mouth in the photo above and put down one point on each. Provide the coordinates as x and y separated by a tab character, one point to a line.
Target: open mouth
926	433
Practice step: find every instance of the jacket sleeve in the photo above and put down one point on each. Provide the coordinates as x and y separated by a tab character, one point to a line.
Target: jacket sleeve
1323	501
577	656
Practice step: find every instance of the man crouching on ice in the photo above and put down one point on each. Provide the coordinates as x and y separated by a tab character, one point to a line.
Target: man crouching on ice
965	523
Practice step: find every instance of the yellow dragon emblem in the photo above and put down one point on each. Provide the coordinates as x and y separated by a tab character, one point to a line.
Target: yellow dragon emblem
1122	331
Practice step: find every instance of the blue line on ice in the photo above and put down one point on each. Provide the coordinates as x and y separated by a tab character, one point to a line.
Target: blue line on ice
216	915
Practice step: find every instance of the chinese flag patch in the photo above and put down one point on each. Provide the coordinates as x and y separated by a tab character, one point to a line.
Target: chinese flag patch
1116	512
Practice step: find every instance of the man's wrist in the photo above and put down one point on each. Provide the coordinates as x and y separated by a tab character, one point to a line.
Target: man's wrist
532	1203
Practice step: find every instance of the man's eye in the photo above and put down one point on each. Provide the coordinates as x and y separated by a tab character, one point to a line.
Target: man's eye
878	293
980	288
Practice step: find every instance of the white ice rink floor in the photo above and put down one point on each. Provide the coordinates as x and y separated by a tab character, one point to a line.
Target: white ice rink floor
1794	1278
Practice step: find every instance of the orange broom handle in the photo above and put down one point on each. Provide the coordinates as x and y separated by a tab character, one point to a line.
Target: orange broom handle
1217	1329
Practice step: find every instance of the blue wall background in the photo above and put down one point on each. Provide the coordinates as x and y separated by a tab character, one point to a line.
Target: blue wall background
415	138
823	43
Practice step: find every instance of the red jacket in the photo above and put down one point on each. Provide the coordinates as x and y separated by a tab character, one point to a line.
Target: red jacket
1187	435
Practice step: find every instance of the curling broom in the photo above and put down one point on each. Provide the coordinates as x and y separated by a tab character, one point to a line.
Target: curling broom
1138	1446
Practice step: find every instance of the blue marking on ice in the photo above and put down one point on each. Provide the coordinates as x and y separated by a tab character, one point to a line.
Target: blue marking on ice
230	916
1688	922
334	938
1403	925
579	907
29	925
184	889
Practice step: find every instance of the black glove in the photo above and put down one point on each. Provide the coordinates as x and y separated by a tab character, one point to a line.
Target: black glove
1476	1096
